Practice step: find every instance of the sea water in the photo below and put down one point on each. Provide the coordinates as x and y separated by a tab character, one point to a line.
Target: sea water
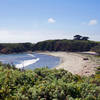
30	61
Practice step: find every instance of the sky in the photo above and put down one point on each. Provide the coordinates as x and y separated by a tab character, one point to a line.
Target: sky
38	20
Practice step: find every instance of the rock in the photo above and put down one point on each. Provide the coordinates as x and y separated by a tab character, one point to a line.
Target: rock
85	59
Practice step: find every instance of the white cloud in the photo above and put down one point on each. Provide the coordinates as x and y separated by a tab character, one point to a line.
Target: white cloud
93	22
13	36
51	20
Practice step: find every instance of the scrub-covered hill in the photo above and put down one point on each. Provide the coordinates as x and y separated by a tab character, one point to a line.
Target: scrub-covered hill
47	84
49	45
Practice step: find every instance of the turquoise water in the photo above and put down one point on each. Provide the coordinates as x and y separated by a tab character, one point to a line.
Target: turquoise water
30	61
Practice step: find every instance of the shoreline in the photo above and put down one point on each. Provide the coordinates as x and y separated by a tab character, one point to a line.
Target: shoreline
74	63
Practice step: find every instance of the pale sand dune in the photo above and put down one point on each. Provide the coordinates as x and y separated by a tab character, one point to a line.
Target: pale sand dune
74	63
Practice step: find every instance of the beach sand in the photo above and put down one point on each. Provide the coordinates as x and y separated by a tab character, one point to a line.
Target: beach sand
74	63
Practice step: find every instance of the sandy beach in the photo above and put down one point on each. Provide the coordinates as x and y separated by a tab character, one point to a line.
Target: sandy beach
74	63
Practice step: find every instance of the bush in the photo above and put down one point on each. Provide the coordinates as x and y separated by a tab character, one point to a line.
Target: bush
96	49
46	84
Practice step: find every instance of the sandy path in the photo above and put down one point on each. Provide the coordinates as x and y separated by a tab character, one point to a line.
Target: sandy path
74	63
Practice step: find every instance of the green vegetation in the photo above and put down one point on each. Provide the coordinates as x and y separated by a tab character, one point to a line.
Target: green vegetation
96	49
78	44
64	45
7	48
47	84
79	37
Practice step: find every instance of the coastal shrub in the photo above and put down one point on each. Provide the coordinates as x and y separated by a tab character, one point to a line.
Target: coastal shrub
7	48
49	45
96	49
47	84
64	45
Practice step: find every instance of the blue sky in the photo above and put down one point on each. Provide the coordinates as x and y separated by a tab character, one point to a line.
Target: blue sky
37	20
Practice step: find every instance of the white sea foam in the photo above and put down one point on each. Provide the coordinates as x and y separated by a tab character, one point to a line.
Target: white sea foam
26	63
31	55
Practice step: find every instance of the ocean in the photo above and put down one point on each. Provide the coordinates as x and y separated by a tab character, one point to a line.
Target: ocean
30	61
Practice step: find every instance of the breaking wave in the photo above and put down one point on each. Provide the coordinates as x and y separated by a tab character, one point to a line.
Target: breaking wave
26	63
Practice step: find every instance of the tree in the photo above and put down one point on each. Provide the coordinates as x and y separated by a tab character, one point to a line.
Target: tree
77	37
85	38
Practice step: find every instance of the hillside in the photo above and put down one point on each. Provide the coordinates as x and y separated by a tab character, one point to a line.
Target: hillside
65	45
47	84
49	45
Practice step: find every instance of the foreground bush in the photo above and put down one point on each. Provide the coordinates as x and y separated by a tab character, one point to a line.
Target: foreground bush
47	84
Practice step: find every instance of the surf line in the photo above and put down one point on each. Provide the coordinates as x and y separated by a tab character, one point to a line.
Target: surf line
26	63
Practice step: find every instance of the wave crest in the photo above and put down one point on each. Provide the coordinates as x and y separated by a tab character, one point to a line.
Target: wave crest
26	63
